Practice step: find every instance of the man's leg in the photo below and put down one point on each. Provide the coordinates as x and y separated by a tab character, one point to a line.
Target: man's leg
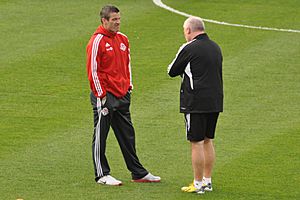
124	131
209	150
101	129
198	159
209	155
195	134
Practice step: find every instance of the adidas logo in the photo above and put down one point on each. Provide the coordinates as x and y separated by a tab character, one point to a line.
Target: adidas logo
107	45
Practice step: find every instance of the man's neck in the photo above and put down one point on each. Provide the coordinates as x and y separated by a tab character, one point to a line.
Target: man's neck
194	34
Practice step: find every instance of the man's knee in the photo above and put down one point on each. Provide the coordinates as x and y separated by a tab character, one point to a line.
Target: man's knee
208	140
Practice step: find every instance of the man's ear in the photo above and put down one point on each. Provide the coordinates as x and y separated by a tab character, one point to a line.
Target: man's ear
103	20
188	29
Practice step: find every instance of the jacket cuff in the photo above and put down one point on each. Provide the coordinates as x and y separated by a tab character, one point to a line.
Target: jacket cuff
97	95
103	95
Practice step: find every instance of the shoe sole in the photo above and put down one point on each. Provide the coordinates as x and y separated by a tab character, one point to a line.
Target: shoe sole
189	191
145	181
110	184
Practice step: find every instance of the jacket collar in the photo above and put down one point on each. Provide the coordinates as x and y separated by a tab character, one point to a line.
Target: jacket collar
201	36
103	31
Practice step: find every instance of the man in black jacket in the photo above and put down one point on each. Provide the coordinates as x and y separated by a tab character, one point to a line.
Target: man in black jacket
199	63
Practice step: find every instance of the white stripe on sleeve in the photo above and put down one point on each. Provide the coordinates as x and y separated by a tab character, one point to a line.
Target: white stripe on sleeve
94	64
129	67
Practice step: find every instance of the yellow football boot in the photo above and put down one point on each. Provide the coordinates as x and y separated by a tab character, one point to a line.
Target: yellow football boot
190	188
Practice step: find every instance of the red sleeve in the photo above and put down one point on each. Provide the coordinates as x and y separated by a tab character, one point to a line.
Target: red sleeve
129	66
93	64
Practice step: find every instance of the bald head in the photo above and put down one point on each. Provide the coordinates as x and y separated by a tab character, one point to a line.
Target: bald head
192	27
194	23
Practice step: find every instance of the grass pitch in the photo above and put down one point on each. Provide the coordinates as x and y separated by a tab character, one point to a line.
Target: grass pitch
46	117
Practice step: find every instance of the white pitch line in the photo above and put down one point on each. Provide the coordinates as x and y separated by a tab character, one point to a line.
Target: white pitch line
162	5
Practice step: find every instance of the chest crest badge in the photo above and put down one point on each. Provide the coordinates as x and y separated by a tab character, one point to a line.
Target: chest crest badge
122	47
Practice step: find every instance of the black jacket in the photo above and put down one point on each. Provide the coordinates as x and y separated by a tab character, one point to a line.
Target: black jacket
199	63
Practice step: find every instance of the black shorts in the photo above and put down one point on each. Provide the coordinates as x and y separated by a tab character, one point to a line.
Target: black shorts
200	125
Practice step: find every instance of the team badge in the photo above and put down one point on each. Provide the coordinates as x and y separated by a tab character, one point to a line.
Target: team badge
122	47
104	111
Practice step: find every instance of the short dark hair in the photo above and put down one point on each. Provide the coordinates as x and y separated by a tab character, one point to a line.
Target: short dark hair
106	10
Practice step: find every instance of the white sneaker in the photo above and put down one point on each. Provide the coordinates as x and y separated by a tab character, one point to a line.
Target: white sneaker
109	180
208	187
149	178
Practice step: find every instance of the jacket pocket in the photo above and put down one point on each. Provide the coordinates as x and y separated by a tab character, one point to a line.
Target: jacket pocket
186	98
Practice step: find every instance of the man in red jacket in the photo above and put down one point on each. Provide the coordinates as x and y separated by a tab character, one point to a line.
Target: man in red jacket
109	74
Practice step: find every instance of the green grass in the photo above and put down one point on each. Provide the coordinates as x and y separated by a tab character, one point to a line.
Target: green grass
46	117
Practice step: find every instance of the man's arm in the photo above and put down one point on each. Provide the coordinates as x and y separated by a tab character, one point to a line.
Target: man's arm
93	64
129	69
179	63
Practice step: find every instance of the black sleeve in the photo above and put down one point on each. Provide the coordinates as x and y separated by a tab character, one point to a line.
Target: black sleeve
179	64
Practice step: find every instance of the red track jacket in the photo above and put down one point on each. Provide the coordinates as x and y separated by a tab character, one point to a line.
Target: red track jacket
108	63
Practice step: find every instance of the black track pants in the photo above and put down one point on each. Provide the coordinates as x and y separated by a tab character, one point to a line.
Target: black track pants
114	113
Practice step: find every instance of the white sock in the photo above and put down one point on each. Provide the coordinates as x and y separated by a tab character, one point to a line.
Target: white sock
207	180
197	184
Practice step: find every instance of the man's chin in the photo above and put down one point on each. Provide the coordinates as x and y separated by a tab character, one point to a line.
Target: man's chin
114	30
